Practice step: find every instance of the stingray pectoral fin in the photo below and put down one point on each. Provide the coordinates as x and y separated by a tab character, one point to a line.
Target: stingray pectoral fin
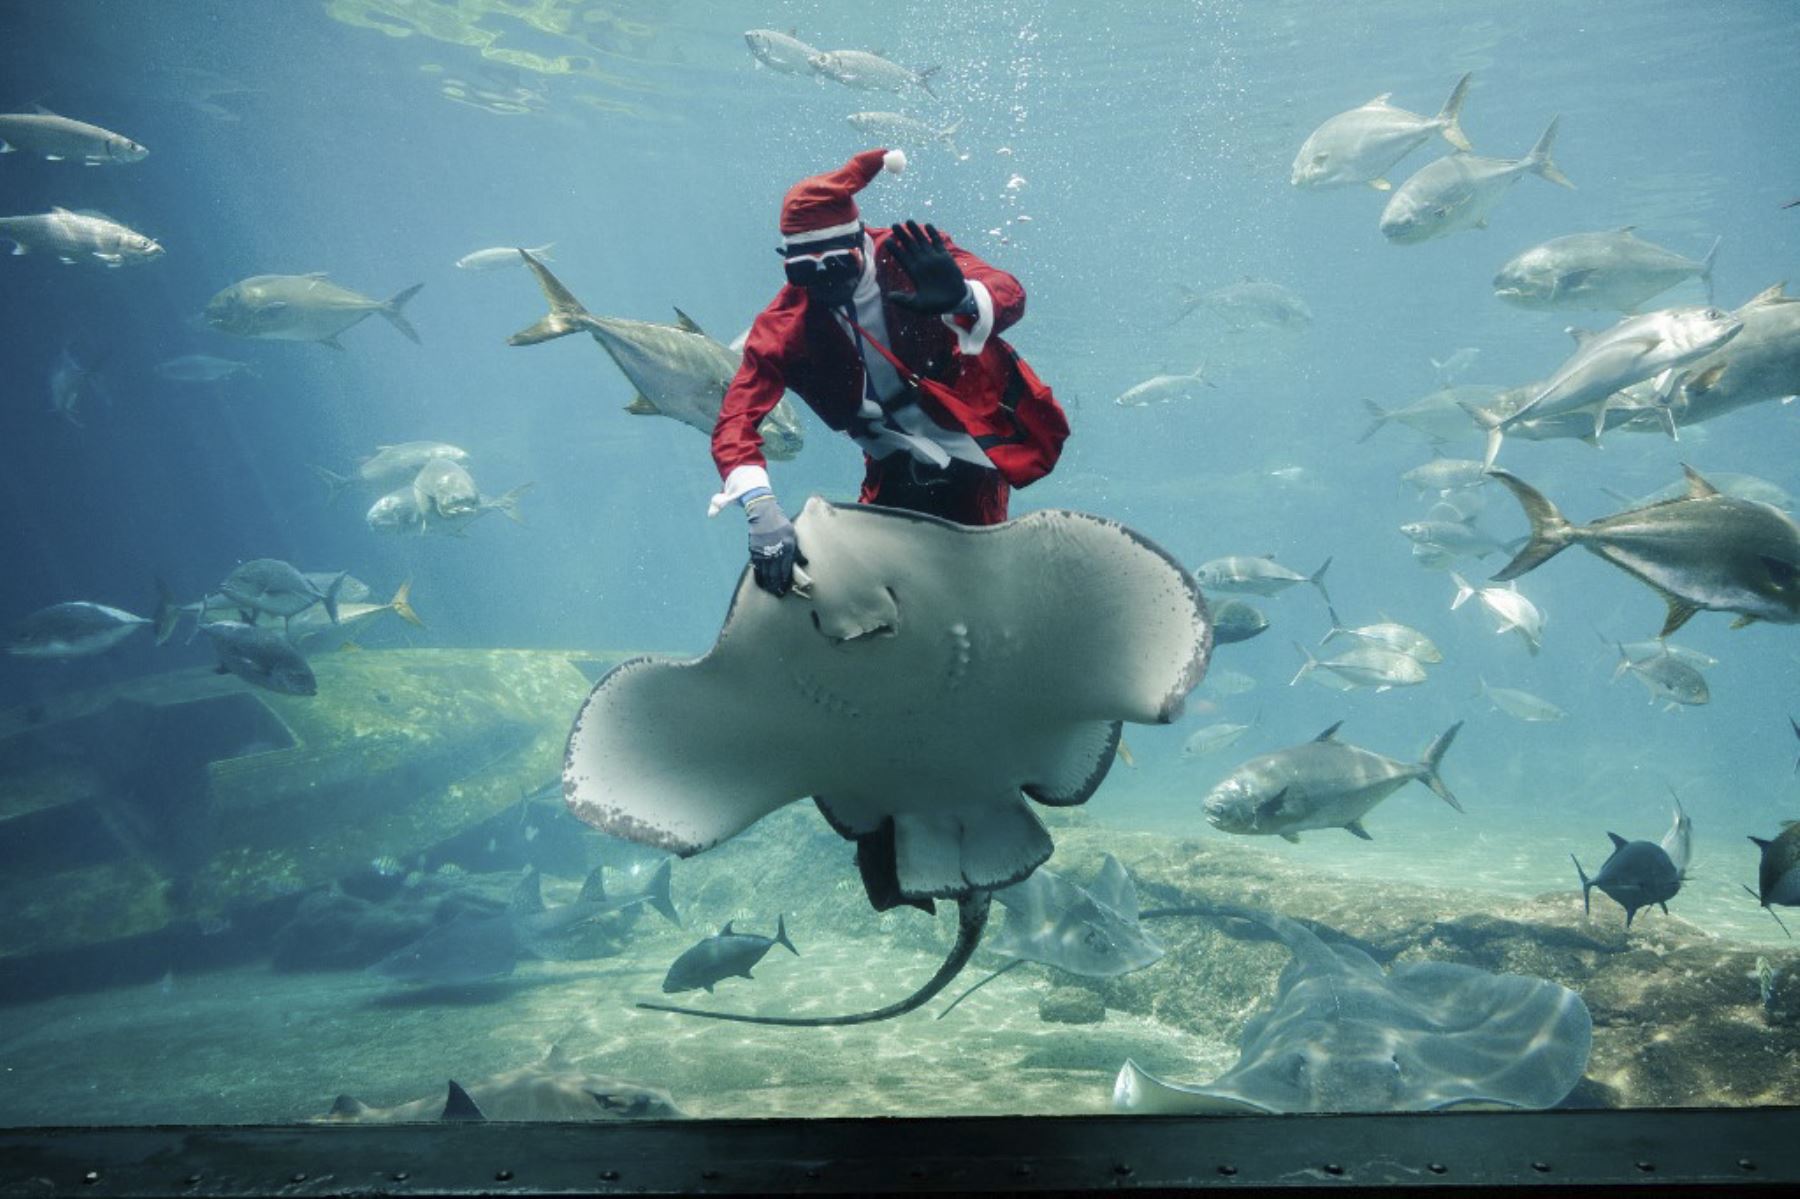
1076	764
678	755
1141	1093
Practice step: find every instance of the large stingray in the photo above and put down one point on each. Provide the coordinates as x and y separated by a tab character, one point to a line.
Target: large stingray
1090	933
1343	1035
926	680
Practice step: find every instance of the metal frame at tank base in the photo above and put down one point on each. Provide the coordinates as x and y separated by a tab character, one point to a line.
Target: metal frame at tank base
1586	1152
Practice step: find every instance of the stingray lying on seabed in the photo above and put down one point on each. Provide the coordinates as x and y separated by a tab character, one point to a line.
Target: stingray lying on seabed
1343	1035
925	680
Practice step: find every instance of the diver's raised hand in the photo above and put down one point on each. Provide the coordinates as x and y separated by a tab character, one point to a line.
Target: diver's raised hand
938	283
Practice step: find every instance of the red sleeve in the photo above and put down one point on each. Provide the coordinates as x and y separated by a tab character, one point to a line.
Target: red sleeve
756	388
1008	295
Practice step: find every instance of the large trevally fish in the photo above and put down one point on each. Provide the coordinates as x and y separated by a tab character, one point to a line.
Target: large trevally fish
1459	190
1358	146
678	370
300	308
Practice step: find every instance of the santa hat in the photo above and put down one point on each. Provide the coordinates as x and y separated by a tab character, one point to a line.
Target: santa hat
824	206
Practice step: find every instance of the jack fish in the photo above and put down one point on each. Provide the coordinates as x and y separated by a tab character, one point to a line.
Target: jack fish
1617	270
301	308
1704	551
1324	783
1358	147
1458	191
679	371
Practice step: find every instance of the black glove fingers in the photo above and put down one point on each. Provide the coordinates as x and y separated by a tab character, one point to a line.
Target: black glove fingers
937	239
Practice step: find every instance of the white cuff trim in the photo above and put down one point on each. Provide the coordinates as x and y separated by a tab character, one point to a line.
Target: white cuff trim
740	479
974	339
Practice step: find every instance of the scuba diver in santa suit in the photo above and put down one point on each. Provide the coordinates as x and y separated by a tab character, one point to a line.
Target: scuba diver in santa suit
890	336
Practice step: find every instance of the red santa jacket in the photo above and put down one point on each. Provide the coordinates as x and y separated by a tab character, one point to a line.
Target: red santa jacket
797	344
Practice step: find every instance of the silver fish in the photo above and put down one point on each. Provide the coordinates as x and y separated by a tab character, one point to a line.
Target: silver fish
78	629
1365	665
1761	363
871	72
1257	576
498	257
1604	364
273	586
1324	783
1458	191
897	129
1387	634
301	308
1444	475
261	657
1521	705
1250	304
1211	738
1613	270
1357	147
202	368
1705	551
445	489
678	370
1440	416
60	138
781	52
1163	389
1452	538
1666	677
1511	611
76	237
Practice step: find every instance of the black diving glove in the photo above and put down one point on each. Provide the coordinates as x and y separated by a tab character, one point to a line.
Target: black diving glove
773	547
938	283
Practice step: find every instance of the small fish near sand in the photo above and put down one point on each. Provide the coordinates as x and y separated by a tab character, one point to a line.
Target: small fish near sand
1635	875
726	954
553	1089
1778	872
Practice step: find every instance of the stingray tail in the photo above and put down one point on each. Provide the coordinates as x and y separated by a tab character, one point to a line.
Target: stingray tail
1016	962
566	314
1551	533
972	915
1587	884
1434	757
